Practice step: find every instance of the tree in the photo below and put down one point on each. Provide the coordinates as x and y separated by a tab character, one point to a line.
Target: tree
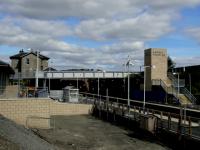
171	63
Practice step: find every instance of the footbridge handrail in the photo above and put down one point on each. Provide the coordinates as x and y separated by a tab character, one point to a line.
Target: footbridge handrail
184	90
169	90
175	82
189	95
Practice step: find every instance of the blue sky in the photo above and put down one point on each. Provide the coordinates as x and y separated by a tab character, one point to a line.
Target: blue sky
179	44
101	33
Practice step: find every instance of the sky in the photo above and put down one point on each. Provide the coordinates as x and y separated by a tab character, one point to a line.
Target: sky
101	33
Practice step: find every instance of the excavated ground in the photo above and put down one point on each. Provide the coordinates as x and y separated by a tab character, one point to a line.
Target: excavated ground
72	133
88	133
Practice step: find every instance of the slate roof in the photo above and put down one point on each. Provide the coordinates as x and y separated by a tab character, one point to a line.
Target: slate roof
5	67
49	69
2	63
22	54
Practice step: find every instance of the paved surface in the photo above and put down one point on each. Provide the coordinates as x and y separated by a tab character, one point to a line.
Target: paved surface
87	133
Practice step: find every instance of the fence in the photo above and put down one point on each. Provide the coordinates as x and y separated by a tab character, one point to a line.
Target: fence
179	120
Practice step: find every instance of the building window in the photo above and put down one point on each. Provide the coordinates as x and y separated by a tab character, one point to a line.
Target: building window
41	67
27	60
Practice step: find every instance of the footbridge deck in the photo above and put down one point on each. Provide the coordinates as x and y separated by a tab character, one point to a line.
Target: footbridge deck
72	74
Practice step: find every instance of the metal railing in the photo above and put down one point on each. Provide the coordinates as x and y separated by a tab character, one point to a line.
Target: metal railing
167	89
188	95
27	75
175	82
178	123
69	74
174	89
181	85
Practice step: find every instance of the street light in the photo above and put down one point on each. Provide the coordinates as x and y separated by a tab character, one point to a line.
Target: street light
152	66
50	66
176	73
37	69
128	63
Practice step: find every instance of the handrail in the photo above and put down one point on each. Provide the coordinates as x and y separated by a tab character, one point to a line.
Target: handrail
183	89
170	76
164	115
175	82
189	95
173	90
169	90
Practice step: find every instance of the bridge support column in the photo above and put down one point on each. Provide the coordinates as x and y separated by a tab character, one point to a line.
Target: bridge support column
44	83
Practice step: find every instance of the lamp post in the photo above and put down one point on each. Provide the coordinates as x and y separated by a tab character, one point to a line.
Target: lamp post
144	102
37	69
49	81
176	73
50	66
128	63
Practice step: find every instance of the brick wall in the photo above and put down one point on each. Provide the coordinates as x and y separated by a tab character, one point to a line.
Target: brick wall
36	112
158	58
58	108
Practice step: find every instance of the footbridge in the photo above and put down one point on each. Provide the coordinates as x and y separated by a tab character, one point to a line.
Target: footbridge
71	74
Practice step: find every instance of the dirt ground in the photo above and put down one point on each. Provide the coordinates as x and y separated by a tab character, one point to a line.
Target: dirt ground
17	137
88	133
7	145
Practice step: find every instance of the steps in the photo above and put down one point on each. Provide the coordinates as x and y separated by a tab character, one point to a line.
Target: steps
172	90
185	98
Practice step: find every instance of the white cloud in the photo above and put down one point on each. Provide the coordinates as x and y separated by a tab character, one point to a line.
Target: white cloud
127	24
124	47
87	8
187	61
194	32
143	27
5	58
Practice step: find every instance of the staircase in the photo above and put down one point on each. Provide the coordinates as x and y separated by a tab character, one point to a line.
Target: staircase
170	87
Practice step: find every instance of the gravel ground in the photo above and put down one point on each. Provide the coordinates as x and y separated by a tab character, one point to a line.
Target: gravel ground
71	133
5	144
88	133
16	137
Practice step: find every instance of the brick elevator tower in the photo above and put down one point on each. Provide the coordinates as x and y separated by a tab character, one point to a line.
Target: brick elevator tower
155	57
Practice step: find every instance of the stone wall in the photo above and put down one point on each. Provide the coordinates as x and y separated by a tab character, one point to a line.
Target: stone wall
14	63
36	112
31	67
